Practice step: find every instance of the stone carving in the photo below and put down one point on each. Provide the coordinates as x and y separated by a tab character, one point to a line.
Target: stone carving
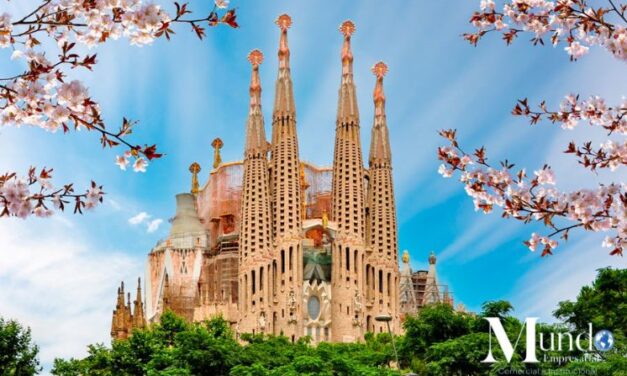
357	308
291	305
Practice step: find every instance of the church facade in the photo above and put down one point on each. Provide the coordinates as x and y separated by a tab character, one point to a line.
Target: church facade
279	246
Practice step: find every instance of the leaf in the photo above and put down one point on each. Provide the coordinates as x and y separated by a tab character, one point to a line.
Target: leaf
229	18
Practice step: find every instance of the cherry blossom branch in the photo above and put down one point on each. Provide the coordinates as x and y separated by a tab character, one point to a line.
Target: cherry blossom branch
17	199
573	22
535	199
42	96
595	112
572	110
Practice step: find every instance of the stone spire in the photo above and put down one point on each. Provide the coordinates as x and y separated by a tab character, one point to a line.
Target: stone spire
139	320
382	208
287	263
432	289
347	197
255	240
348	191
382	233
284	94
380	143
285	164
348	111
256	143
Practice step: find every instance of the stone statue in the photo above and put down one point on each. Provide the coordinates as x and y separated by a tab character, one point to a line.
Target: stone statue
262	321
291	302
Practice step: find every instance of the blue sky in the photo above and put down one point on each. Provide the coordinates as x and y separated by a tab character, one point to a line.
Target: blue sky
59	276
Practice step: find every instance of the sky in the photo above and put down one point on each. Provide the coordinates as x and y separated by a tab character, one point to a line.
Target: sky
59	276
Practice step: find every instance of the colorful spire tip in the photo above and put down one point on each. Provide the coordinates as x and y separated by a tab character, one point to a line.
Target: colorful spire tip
347	28
255	57
380	69
284	21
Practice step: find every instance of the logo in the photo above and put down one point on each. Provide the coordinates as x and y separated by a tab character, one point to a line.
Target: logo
604	340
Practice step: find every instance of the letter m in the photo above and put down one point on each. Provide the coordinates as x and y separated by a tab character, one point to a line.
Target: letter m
496	328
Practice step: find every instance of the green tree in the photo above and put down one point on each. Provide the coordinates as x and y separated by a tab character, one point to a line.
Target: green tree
604	304
435	323
18	355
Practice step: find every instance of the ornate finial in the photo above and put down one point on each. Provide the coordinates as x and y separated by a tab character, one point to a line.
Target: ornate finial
194	168
432	258
217	145
405	257
255	57
347	28
380	69
284	22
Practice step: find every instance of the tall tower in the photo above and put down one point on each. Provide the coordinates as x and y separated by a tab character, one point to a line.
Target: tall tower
382	262
348	205
256	227
286	207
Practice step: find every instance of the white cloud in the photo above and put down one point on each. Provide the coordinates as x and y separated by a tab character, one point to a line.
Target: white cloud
154	225
561	276
59	285
139	218
144	218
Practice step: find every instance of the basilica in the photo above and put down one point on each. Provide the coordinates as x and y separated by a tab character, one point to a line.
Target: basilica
276	245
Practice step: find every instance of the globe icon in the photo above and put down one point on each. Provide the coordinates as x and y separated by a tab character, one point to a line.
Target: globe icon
604	340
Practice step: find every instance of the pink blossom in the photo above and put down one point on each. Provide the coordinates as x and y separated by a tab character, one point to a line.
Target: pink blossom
5	30
576	50
72	94
222	3
121	161
545	176
140	165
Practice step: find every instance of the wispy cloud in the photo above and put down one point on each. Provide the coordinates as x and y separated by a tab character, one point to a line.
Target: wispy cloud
63	287
560	277
139	218
154	225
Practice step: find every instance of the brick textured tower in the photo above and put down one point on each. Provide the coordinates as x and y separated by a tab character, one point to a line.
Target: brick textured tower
348	204
256	227
286	195
382	262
